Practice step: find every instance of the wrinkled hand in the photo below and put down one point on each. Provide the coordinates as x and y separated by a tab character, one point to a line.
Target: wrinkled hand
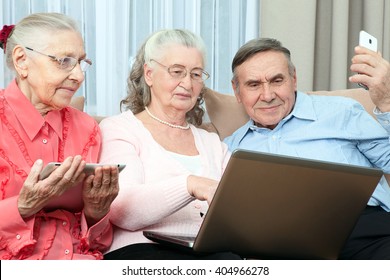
373	71
35	193
201	188
99	191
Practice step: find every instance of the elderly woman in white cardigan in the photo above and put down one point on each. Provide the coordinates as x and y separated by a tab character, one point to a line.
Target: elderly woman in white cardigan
173	167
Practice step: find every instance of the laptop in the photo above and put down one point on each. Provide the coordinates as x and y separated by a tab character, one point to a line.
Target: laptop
281	207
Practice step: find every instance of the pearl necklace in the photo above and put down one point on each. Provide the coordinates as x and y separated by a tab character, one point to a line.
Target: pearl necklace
187	126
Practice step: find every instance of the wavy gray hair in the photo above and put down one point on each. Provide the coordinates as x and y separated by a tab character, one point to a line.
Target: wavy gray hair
138	92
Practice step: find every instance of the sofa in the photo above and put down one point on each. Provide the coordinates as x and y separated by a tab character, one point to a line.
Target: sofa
225	114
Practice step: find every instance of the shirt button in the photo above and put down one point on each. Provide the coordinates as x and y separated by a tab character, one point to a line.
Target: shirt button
18	237
64	223
66	252
197	206
44	141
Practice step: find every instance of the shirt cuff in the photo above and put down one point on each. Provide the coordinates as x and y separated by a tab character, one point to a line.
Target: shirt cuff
383	119
97	230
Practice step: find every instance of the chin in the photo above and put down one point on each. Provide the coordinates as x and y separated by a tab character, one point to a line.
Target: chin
61	105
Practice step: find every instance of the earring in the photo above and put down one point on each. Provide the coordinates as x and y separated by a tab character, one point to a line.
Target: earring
22	74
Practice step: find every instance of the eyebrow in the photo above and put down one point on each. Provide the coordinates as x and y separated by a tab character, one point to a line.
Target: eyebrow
181	65
69	54
279	75
276	76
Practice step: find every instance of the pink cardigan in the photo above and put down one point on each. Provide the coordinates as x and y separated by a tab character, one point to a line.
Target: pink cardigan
153	186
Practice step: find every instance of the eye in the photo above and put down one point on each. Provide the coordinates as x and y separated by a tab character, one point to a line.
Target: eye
253	85
67	62
177	71
277	81
197	74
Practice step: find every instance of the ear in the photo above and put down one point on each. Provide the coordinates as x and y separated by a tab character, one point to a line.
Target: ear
236	91
295	81
19	58
148	74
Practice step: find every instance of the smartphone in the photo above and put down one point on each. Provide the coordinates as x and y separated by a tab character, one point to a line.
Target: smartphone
370	42
88	169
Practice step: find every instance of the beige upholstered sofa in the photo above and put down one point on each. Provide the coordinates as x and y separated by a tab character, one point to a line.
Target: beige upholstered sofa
226	115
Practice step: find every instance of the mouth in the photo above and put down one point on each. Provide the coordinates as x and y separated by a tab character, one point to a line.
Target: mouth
268	108
183	95
71	90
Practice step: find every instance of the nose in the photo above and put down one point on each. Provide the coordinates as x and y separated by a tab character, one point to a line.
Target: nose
186	81
77	74
267	93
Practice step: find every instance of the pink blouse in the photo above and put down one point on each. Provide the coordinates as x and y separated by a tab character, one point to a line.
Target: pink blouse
61	231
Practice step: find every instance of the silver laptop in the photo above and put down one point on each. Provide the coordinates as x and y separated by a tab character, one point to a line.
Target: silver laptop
279	207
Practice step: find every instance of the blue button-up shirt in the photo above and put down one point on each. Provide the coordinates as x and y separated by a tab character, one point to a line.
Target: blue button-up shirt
329	128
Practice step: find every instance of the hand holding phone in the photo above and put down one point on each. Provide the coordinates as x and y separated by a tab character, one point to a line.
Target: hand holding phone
370	42
88	169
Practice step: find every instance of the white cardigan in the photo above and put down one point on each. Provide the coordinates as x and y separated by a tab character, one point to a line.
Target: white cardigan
153	186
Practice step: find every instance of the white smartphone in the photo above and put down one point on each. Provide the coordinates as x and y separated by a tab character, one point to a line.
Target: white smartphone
89	168
370	42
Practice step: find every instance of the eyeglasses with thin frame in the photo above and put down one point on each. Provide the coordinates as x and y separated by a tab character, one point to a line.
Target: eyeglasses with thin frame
179	71
67	63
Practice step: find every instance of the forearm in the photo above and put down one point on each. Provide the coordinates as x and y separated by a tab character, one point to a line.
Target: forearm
16	234
140	205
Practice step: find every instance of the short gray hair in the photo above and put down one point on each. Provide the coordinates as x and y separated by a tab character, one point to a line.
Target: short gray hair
259	45
30	28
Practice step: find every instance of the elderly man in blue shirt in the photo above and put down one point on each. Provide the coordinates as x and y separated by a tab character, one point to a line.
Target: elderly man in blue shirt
337	129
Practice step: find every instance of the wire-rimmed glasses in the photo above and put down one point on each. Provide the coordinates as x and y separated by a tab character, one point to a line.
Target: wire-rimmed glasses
179	71
67	63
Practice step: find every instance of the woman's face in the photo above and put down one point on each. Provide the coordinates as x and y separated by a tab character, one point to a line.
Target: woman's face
169	92
46	85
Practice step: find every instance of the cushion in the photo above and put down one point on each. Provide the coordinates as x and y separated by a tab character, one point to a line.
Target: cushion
227	115
78	102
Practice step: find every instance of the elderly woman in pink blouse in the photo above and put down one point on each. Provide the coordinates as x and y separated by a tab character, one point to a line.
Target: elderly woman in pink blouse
65	215
173	167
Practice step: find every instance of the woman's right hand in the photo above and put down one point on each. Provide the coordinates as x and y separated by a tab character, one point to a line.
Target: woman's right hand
35	193
202	188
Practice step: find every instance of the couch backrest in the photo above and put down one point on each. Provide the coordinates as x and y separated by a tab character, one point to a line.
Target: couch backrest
226	114
78	102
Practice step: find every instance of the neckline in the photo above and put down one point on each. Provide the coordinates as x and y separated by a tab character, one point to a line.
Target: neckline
185	127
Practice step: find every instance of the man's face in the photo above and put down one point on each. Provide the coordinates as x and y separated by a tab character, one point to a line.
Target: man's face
266	88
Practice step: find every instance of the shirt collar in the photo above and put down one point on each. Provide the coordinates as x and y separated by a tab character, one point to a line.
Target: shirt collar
304	107
29	117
